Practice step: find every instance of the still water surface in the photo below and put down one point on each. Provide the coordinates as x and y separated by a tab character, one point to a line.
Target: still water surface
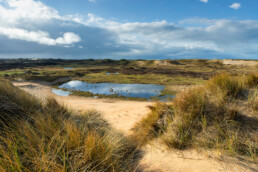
148	91
126	90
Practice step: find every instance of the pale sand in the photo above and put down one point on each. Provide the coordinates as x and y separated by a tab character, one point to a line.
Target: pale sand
122	115
240	62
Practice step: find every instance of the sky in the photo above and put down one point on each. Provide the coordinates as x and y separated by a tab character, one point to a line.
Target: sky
129	29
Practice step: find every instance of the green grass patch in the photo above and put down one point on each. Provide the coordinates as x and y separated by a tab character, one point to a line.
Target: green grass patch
158	79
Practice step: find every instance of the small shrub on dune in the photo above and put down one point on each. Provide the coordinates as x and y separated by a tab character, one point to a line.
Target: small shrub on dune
251	81
189	107
92	121
48	137
153	124
253	99
191	102
225	85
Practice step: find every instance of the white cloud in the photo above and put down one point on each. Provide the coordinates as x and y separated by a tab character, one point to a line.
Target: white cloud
92	0
68	38
94	19
148	35
39	36
205	1
28	10
235	6
18	12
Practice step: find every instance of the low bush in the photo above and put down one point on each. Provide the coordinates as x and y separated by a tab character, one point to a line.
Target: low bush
225	85
253	99
251	81
153	124
189	107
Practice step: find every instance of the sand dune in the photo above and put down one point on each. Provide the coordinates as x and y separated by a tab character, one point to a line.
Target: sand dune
122	115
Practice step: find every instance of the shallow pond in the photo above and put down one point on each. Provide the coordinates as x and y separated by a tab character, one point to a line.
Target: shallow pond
126	90
61	92
67	68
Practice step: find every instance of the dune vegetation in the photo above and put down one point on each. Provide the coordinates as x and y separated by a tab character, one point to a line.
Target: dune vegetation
221	114
172	74
45	136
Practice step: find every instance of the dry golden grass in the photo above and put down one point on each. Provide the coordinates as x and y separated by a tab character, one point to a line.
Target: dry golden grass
39	136
225	85
253	99
251	80
189	106
152	125
208	116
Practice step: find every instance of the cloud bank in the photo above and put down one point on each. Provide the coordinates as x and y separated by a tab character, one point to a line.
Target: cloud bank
30	28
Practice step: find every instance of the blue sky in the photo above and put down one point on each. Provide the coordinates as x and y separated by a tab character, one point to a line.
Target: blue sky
150	29
152	10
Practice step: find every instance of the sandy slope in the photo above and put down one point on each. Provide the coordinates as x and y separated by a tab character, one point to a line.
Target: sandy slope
124	114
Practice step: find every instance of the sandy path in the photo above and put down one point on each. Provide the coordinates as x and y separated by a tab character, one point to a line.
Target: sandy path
122	115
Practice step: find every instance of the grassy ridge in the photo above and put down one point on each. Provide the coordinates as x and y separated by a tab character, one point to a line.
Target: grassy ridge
169	73
220	114
44	136
131	71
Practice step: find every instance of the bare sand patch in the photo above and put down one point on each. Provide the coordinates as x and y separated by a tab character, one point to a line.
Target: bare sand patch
158	158
162	63
240	62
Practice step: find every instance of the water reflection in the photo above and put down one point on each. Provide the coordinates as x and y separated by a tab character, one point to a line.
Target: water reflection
126	90
61	92
112	73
